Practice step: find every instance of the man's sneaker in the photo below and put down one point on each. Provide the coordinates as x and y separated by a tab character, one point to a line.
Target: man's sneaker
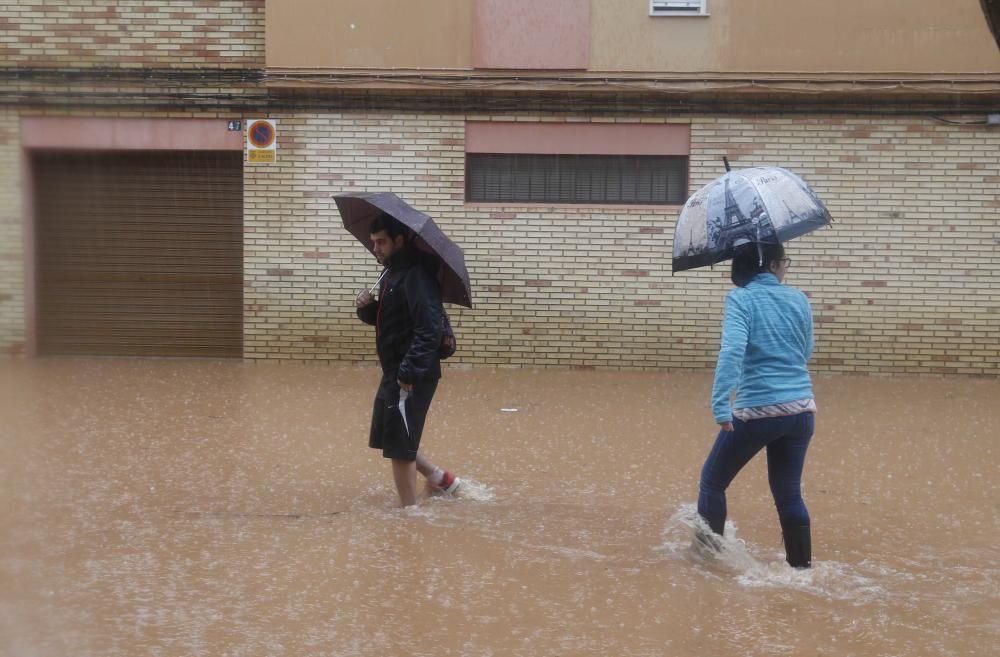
449	484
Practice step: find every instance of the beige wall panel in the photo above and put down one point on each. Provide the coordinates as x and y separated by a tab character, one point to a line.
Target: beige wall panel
919	36
815	36
818	36
369	34
625	38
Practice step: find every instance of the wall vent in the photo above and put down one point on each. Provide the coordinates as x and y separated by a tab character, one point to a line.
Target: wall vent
678	8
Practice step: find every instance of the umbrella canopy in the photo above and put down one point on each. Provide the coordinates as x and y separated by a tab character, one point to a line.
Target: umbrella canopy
359	210
762	204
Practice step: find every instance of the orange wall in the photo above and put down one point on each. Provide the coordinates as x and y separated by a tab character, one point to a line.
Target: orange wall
814	36
369	34
818	36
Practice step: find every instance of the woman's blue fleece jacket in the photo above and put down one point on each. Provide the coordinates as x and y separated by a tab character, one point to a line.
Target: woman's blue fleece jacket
767	339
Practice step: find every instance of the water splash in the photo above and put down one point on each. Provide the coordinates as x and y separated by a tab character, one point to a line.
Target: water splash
727	553
472	491
731	556
828	579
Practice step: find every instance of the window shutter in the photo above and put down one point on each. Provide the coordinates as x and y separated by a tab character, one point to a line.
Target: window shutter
614	179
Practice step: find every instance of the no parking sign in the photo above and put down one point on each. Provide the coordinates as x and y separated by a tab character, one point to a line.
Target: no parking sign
262	140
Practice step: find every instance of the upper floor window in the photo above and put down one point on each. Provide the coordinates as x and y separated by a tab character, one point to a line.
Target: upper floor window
678	7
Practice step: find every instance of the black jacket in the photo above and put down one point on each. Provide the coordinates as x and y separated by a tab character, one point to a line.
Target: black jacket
408	320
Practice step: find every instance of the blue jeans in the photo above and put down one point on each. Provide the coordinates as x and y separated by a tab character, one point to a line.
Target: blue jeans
786	439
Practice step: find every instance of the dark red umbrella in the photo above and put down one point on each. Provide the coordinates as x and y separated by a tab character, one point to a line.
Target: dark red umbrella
359	210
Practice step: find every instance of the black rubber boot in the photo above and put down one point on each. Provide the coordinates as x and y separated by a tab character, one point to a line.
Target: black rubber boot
798	546
708	543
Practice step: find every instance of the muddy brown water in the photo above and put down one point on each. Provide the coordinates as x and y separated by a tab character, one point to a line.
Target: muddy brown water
159	507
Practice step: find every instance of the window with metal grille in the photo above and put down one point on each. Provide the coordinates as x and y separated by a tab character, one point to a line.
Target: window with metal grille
678	8
612	179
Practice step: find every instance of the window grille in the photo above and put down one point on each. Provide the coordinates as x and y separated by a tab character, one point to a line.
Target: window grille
592	179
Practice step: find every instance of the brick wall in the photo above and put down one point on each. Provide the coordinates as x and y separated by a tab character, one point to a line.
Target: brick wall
155	34
906	282
302	268
12	328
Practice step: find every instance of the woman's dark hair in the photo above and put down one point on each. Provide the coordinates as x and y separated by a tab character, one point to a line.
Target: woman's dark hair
392	226
747	261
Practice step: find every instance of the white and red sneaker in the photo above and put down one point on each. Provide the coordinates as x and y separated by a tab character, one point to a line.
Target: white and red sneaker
449	483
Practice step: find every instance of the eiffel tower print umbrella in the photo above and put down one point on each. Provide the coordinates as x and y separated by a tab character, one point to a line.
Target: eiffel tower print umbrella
760	204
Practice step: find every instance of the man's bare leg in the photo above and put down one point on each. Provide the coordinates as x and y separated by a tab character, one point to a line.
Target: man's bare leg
404	473
424	465
428	470
435	476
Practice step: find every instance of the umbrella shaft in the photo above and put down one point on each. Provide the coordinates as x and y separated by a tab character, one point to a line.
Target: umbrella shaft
372	288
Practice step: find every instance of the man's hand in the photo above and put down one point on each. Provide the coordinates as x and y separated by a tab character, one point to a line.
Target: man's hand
363	299
408	387
726	426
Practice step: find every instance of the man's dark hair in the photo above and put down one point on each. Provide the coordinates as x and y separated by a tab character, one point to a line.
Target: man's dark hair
392	226
747	262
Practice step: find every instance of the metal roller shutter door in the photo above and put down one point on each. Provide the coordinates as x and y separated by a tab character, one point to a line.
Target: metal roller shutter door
139	253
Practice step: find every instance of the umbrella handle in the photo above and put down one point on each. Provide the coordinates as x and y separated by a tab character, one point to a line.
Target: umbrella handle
760	249
371	290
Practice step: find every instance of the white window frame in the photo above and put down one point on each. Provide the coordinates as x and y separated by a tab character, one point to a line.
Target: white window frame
672	8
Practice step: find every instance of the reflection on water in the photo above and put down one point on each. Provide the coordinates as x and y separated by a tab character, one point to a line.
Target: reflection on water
216	508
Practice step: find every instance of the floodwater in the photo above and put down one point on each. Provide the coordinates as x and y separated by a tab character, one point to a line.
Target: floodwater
160	507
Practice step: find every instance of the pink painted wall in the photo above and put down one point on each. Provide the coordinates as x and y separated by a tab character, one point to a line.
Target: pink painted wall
129	134
531	34
578	138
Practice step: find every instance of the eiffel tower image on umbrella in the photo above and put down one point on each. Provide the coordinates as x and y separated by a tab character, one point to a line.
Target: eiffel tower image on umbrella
736	226
759	204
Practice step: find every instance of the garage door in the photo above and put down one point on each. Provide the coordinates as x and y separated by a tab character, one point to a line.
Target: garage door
139	253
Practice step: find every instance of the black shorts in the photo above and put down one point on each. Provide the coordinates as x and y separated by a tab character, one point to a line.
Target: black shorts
396	429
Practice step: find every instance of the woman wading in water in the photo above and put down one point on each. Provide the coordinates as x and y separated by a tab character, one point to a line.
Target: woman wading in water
767	339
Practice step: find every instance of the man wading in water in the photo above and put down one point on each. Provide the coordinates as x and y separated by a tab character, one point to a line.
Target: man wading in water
408	321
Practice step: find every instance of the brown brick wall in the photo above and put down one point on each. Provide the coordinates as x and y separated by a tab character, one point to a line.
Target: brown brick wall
156	34
906	282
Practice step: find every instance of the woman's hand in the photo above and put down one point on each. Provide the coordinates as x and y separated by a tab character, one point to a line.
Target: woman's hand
726	426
